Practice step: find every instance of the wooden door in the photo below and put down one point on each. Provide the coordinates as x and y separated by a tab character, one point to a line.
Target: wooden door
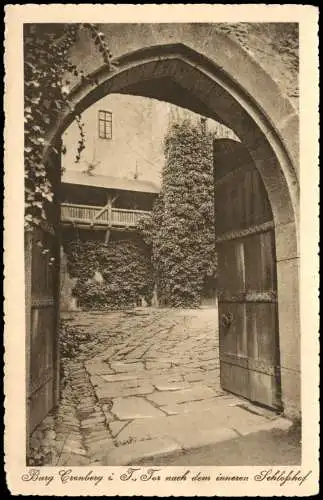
42	256
247	290
42	387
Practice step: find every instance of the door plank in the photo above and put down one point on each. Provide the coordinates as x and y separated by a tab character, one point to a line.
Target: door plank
233	347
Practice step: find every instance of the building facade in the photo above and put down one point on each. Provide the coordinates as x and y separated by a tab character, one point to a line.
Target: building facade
101	208
124	137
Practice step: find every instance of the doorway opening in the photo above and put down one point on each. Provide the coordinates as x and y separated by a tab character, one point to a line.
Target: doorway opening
257	175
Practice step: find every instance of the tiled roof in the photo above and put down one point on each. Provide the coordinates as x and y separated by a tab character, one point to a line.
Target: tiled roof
108	182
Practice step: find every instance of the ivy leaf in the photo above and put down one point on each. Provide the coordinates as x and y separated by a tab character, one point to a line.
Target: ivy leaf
48	196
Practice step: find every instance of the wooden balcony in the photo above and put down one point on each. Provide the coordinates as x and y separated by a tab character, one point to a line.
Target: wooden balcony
94	216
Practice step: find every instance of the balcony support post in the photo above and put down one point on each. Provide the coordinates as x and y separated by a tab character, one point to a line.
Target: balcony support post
107	236
110	201
109	205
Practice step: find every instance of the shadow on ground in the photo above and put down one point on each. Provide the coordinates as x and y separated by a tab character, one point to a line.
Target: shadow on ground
274	447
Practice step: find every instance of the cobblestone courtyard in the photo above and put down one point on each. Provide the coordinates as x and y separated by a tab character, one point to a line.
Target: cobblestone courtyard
145	384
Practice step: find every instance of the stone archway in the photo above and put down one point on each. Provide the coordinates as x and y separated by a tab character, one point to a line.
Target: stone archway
266	124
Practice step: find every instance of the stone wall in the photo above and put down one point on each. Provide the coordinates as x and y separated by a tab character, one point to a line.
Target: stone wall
274	46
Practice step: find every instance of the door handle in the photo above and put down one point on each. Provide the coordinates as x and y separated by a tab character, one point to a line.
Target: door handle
226	320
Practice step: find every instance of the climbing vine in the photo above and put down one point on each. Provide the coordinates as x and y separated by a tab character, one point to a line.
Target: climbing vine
181	229
48	71
110	276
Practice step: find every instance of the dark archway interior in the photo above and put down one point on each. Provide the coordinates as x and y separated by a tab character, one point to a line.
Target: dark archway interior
166	89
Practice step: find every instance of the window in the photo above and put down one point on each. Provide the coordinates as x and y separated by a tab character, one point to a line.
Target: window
105	125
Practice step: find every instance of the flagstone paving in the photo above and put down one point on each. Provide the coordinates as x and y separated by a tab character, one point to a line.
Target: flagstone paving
145	384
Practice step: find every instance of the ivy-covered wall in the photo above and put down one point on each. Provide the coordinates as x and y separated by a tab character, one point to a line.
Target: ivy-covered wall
110	275
181	230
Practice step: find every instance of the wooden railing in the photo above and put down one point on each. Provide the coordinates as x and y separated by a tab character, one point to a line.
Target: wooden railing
92	215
